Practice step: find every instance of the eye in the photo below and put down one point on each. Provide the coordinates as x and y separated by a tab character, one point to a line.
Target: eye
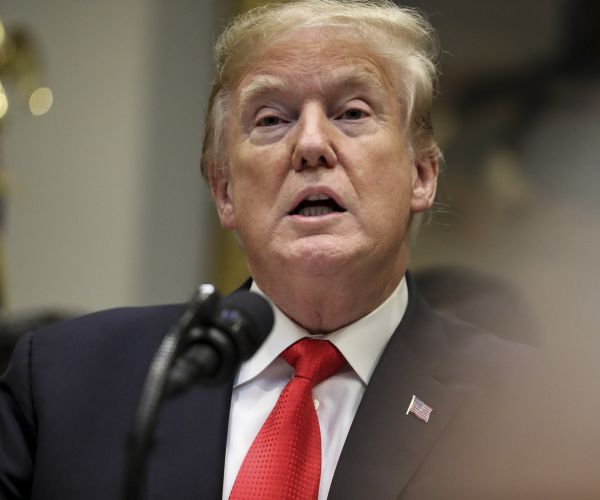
353	114
268	121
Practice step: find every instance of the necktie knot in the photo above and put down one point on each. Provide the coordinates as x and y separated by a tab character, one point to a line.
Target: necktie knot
314	359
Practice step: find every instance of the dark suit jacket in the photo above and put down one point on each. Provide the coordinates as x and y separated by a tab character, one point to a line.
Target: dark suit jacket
68	397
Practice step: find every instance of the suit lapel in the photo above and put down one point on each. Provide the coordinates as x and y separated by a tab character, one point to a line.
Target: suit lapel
385	445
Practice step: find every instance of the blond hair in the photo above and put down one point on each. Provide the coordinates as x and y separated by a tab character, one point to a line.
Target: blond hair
397	34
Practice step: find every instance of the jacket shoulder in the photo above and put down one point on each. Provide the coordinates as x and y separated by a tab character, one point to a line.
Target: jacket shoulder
118	322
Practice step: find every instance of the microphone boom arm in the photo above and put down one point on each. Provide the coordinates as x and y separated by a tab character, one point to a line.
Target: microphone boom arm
202	307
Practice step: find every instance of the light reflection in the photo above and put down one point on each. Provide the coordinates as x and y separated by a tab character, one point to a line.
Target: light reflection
40	101
3	102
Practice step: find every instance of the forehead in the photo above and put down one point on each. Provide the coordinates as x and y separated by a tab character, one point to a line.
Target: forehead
317	60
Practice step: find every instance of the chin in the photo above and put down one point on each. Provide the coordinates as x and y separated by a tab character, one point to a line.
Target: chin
324	256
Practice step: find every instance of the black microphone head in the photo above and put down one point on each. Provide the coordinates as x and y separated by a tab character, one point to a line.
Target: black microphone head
249	317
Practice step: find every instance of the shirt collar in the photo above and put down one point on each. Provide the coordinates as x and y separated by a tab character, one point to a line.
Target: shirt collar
361	342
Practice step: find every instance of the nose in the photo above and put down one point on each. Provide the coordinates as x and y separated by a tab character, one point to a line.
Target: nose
313	145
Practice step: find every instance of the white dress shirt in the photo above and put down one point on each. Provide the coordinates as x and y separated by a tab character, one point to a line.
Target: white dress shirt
261	379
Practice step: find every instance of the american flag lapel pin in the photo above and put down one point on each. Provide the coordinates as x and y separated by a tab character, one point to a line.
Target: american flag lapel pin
419	409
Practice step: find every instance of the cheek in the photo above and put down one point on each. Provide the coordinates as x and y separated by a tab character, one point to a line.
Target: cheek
257	178
262	166
385	174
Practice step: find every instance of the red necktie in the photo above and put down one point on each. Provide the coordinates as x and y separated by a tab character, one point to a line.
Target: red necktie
284	461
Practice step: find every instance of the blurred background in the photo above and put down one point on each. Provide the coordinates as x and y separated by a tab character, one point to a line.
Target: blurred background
102	203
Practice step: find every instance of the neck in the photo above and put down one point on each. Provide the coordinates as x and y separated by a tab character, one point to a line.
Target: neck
322	304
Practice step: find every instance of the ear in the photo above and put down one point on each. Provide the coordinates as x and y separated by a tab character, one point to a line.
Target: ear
220	187
424	184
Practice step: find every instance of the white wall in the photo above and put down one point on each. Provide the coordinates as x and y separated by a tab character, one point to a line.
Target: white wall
106	203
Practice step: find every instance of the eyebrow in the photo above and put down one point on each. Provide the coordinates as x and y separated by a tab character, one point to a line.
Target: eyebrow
348	76
259	85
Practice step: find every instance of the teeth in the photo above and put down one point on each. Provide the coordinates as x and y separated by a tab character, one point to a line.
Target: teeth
317	197
315	211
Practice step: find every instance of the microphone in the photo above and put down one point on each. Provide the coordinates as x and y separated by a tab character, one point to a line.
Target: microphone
211	352
207	344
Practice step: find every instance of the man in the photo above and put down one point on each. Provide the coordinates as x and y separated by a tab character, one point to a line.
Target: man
319	153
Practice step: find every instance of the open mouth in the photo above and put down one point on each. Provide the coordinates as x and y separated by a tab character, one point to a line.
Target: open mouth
317	205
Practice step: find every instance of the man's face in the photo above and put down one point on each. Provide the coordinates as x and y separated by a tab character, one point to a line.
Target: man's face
319	179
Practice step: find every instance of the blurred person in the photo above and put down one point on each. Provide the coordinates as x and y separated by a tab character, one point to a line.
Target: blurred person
525	169
483	299
319	152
